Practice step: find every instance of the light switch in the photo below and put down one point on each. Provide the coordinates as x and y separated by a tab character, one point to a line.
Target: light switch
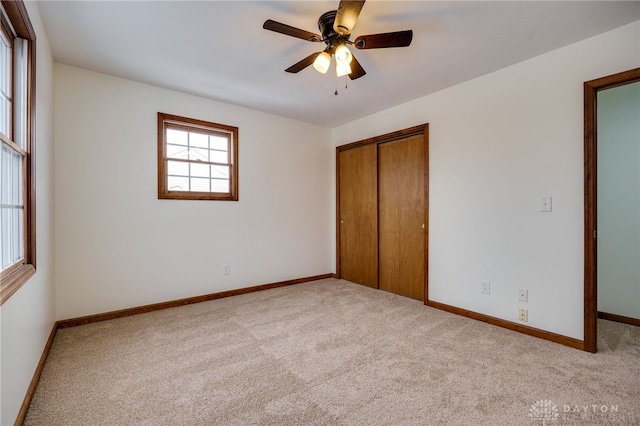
545	204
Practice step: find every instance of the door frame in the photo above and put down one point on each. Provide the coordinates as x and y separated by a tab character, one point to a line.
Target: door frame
591	89
422	129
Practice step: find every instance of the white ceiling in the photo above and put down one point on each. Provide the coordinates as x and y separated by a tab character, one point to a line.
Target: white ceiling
218	49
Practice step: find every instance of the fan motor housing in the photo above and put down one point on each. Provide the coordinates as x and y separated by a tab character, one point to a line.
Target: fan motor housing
325	24
329	35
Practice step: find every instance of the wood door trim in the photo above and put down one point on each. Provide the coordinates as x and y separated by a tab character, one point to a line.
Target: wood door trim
591	88
422	129
426	212
388	137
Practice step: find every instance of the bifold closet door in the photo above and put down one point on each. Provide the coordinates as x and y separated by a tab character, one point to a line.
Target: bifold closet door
359	215
401	210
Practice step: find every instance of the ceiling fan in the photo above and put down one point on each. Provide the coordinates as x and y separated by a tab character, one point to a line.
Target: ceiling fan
335	27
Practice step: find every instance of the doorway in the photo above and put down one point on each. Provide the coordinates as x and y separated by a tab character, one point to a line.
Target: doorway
591	90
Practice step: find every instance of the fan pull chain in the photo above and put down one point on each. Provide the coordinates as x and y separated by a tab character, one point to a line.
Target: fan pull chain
346	86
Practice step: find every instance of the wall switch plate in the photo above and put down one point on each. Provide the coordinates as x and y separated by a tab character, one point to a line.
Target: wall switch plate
485	287
545	204
523	295
227	269
523	315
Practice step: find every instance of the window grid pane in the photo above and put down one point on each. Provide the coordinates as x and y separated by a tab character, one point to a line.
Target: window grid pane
16	167
200	170
178	168
197	174
219	156
20	87
198	140
198	154
177	151
177	137
219	143
178	183
220	185
5	175
220	172
12	224
11	177
6	107
199	185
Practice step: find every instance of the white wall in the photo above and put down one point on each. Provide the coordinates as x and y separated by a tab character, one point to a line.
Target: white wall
27	318
619	200
118	246
497	145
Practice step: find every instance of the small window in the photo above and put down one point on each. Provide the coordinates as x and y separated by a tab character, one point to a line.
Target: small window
197	160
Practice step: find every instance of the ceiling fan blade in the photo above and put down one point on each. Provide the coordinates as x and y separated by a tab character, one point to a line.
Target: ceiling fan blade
356	69
378	41
285	29
297	67
346	16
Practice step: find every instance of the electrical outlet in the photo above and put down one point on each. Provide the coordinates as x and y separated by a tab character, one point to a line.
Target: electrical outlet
227	269
523	295
545	204
485	287
523	315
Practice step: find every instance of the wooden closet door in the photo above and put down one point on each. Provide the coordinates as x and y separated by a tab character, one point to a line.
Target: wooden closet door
358	227
402	221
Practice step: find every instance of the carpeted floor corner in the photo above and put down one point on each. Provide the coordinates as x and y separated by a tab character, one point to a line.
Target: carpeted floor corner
330	353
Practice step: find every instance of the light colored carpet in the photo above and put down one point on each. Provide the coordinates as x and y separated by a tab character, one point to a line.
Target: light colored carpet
330	353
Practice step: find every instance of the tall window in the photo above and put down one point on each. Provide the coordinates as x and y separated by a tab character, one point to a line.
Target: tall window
17	216
197	160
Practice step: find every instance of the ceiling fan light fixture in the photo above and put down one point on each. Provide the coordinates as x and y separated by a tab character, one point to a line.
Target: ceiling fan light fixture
322	62
343	69
343	55
335	27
